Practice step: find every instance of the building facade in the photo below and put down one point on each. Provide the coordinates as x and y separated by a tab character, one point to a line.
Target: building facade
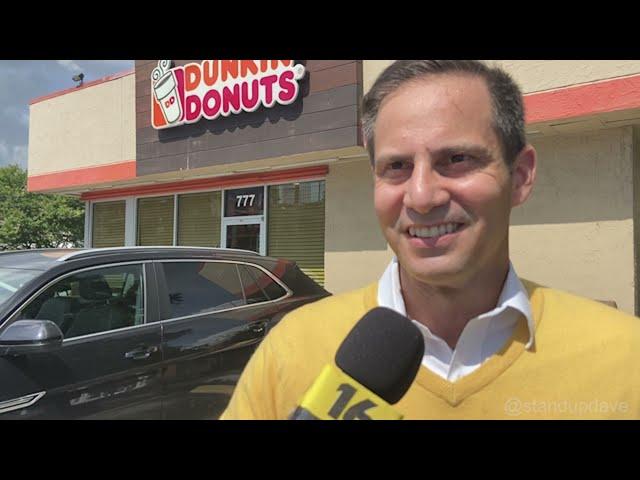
267	155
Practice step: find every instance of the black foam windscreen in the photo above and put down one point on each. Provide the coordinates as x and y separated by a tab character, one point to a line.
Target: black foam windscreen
383	352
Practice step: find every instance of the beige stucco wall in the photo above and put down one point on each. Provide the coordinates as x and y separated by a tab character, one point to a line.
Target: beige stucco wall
356	252
537	75
576	230
91	127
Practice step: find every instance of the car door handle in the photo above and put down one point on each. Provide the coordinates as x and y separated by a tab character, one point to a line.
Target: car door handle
141	353
258	327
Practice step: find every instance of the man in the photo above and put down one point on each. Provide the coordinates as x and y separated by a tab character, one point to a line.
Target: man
449	158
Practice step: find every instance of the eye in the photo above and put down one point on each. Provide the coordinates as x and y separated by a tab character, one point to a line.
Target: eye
458	158
458	164
394	169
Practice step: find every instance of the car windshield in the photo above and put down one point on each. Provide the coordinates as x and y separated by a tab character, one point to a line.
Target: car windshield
12	279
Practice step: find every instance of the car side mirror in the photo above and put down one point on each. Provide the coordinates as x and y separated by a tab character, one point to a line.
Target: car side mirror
30	336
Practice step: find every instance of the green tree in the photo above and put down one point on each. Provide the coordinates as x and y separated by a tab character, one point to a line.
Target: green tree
33	220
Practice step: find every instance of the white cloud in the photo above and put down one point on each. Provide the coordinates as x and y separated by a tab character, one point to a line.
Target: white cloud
101	68
4	152
69	65
123	64
13	154
24	118
19	115
95	69
19	155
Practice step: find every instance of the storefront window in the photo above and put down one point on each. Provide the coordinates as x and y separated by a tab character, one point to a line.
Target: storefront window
296	225
108	224
199	219
155	221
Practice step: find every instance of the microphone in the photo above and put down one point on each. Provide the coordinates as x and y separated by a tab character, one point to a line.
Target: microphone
377	363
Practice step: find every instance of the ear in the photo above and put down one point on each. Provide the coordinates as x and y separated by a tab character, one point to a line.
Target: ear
523	175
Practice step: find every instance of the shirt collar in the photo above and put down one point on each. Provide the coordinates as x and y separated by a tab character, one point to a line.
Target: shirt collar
513	295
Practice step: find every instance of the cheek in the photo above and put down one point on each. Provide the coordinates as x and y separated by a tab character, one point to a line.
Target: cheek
387	204
488	200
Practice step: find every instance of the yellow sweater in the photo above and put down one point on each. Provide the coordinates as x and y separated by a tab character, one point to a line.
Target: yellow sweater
585	364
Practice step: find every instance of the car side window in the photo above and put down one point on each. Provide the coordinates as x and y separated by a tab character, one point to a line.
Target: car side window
201	287
258	286
92	301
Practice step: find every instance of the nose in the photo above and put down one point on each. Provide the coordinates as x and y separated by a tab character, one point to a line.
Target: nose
425	190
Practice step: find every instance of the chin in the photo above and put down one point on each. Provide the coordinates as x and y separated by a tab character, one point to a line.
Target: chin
433	271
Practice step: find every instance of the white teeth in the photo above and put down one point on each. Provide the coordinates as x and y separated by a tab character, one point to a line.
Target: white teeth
430	232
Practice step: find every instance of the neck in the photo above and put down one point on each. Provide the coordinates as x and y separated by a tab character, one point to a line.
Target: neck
446	310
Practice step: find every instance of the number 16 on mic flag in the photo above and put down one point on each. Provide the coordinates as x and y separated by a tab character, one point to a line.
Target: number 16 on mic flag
336	396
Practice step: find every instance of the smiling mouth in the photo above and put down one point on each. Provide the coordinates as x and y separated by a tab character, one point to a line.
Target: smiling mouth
434	231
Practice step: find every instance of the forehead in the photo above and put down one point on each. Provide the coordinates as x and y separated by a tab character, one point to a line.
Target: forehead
437	109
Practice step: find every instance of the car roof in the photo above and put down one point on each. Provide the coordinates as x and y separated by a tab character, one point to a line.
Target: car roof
35	259
154	251
43	259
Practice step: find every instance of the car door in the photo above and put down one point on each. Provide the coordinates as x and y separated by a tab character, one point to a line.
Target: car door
108	365
210	330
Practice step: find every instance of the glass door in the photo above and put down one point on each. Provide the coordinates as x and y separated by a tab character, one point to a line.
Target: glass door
243	223
244	233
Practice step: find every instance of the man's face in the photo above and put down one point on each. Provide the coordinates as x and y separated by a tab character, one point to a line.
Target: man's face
443	192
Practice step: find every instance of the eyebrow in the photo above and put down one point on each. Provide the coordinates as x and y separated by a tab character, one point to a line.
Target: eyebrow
468	148
393	158
472	149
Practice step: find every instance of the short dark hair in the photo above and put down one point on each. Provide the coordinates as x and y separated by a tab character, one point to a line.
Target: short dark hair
508	108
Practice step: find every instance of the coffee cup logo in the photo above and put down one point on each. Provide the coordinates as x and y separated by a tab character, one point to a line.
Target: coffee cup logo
165	89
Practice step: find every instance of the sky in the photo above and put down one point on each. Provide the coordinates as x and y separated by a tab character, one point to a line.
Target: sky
23	80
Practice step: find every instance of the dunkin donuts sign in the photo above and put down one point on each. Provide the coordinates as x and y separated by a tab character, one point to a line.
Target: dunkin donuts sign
212	88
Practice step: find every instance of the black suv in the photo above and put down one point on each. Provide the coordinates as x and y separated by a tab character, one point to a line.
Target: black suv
136	332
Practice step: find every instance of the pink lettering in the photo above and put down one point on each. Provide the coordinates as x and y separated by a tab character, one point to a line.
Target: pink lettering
267	83
231	98
288	88
211	104
192	108
250	101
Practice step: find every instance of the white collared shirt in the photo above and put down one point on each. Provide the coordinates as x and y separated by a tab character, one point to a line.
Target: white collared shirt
483	335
